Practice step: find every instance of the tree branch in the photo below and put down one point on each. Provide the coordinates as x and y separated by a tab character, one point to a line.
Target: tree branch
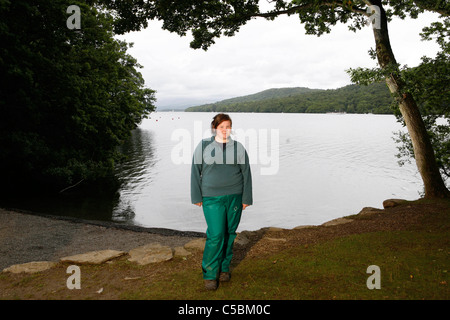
296	9
273	14
72	186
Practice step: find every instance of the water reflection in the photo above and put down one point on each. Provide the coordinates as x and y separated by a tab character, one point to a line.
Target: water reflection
329	166
95	207
135	173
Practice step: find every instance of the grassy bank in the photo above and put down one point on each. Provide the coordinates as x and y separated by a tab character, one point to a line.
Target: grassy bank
332	270
409	243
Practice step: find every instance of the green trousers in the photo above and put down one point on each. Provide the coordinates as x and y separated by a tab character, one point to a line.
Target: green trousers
222	215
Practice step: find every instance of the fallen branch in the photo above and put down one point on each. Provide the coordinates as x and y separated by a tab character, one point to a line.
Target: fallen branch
71	186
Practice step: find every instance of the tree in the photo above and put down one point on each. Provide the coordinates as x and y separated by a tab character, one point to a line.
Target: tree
208	20
68	98
434	185
428	83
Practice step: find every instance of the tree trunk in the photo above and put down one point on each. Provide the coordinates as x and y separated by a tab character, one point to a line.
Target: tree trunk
423	151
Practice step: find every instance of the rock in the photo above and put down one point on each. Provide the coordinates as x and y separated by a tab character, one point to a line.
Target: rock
274	229
275	239
131	278
367	211
303	227
241	239
150	253
93	257
181	252
30	267
390	203
197	244
337	221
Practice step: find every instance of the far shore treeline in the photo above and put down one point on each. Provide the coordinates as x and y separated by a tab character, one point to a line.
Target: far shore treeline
374	98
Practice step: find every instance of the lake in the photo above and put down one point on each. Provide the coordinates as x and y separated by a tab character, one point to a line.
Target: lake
307	168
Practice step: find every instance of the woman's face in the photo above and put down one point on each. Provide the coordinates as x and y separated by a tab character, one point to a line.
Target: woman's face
223	130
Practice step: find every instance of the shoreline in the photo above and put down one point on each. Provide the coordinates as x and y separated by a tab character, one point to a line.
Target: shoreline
112	224
27	236
160	230
402	235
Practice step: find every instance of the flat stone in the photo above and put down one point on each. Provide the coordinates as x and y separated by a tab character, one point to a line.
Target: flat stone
30	267
150	253
196	244
131	278
274	229
367	211
275	239
303	227
390	203
241	239
337	221
181	252
93	257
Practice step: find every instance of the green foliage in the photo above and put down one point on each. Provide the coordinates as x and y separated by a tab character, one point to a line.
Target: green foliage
351	99
208	20
67	97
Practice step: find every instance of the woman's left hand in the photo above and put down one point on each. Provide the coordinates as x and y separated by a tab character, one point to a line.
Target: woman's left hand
244	206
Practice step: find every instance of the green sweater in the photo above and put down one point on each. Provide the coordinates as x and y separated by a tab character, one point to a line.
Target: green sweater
220	169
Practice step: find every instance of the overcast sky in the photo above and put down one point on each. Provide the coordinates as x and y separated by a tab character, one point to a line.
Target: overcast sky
263	55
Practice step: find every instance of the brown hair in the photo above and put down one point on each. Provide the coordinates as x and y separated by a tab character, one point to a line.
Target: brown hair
218	119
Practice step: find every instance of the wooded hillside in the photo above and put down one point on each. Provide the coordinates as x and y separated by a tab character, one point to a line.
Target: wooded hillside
374	98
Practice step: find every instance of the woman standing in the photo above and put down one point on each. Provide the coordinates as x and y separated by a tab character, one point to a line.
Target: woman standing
221	182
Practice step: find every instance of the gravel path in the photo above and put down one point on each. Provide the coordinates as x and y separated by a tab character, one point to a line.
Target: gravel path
26	237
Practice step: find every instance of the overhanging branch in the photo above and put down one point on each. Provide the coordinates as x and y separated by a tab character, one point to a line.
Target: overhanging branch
297	9
276	13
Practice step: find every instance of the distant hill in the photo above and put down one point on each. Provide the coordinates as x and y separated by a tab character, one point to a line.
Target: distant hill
269	94
374	98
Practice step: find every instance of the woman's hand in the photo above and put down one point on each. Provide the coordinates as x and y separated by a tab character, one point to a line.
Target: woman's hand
199	204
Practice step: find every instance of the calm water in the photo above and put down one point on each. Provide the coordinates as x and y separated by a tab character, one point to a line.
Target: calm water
307	168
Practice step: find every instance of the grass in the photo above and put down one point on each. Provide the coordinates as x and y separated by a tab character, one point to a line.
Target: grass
413	261
413	265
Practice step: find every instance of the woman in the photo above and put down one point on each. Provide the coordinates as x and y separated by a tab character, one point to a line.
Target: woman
221	182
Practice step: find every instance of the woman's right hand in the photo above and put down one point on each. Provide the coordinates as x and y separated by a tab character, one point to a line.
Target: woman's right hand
199	204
